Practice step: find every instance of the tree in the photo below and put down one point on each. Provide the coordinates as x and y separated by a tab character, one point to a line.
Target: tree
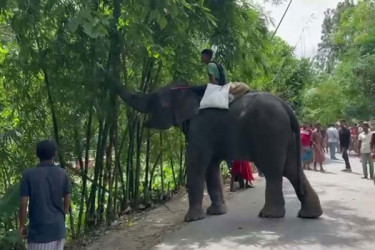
346	54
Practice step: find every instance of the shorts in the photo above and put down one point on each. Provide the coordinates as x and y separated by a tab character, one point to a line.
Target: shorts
54	245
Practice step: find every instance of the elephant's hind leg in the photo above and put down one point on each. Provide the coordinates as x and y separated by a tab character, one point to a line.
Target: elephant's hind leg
215	189
275	204
310	204
271	159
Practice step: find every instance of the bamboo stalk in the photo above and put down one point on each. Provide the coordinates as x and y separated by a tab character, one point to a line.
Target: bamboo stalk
84	177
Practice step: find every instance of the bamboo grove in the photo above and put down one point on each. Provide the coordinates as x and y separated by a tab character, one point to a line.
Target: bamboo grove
59	59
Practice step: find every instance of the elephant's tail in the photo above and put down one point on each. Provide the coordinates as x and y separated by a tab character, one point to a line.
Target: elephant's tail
297	136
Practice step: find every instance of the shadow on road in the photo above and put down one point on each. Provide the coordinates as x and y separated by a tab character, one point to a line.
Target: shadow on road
339	227
348	221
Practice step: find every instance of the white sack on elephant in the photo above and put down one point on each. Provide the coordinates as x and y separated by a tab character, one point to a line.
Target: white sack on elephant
217	96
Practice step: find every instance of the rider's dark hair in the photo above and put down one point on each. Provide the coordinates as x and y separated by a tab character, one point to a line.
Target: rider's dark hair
208	52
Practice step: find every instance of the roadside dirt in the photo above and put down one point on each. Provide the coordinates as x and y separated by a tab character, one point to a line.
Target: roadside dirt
144	230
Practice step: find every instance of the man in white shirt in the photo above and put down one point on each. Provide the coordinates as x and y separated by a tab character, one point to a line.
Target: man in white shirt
333	140
365	148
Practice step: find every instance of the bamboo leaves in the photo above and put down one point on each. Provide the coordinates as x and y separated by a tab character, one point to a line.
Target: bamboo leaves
94	24
9	202
346	58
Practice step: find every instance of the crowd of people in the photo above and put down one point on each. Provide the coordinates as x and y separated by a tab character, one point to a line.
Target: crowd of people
356	139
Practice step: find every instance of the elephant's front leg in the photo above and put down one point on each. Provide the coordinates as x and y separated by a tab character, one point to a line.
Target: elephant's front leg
215	189
196	163
275	204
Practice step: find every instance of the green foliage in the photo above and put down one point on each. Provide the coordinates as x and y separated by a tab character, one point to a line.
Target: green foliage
9	202
347	54
12	240
326	94
8	207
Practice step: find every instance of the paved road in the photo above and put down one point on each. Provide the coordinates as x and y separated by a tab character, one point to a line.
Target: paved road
348	221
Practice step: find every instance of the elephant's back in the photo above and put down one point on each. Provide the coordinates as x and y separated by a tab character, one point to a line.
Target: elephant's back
260	123
257	104
255	119
260	116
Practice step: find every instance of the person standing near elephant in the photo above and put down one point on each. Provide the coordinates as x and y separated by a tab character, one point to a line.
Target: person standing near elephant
306	146
344	135
216	72
333	139
242	170
311	129
318	148
365	147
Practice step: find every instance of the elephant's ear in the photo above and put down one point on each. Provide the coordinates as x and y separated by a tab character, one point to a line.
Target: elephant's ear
185	105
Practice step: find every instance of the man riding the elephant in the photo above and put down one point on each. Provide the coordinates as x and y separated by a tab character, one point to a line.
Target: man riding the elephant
216	72
217	76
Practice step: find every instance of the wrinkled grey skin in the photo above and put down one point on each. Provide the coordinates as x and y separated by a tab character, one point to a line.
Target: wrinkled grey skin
258	127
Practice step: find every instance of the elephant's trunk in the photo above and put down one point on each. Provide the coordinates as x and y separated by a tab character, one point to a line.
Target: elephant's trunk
139	103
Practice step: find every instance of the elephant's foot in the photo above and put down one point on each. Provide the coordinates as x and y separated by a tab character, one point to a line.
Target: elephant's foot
311	208
272	212
215	209
310	213
194	215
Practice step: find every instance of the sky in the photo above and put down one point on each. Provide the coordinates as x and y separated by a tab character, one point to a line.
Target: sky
302	24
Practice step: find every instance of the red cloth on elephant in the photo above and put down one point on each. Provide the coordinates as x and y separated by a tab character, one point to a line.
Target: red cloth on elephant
243	168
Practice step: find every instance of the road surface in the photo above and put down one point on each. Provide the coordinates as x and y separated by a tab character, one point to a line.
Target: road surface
348	221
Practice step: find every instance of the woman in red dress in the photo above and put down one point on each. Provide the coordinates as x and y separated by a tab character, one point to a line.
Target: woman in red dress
241	169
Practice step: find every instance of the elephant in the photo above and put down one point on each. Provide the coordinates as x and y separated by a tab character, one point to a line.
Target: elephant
258	127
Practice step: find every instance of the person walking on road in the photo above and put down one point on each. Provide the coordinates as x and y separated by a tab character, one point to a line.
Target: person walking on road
365	147
317	144
345	135
47	190
333	139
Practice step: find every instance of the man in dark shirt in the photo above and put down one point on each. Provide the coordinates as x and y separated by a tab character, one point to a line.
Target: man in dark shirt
47	190
344	135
